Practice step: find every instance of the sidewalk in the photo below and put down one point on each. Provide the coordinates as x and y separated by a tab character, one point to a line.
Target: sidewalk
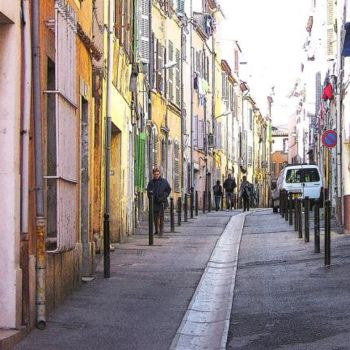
285	298
144	301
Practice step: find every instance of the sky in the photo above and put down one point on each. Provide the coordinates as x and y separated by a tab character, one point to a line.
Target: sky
271	34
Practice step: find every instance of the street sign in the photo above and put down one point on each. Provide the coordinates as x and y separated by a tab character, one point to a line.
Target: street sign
329	138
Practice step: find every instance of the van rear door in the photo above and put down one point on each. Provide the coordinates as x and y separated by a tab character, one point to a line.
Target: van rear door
311	180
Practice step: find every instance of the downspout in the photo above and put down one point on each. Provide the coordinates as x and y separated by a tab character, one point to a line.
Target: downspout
27	90
40	221
106	233
183	122
191	90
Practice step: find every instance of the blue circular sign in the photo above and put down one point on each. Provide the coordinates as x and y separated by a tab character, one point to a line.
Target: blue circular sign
329	138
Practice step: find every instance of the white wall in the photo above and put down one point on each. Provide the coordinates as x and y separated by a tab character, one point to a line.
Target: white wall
10	84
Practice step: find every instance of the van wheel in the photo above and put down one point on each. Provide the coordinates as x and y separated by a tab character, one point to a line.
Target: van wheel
275	209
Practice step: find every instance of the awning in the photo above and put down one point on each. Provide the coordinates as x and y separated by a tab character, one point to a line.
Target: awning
346	45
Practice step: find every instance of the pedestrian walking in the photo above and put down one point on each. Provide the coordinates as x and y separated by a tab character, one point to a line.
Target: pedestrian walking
217	189
161	190
229	186
245	192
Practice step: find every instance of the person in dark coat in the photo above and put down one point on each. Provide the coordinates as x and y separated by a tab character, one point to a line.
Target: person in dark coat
245	192
160	189
229	186
217	189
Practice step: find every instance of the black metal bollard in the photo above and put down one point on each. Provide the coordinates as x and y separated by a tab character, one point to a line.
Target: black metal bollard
204	201
300	218
150	218
295	214
306	221
282	204
222	202
327	233
172	215
179	206
286	207
209	201
317	226
191	203
290	201
186	208
196	203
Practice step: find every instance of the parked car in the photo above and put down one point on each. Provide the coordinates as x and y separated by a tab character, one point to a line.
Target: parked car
302	180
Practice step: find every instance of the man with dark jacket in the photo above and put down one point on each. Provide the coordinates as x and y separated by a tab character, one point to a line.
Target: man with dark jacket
160	189
229	186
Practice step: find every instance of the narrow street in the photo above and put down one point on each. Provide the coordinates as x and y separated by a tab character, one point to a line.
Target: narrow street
283	297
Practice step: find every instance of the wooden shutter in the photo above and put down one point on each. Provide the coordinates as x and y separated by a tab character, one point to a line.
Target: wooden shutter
171	72
195	131
176	167
177	78
331	35
144	31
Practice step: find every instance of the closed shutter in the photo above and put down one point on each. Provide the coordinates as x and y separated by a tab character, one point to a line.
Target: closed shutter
331	35
144	31
65	178
170	164
176	167
156	65
177	78
200	134
181	6
195	131
171	72
140	161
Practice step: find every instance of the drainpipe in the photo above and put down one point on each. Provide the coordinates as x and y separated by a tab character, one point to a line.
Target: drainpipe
106	233
40	221
26	117
191	90
183	121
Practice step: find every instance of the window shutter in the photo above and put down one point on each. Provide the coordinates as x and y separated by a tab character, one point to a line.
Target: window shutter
195	131
144	31
331	37
171	72
176	168
200	134
170	164
181	6
177	78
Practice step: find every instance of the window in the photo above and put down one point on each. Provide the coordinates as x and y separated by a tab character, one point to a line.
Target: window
200	134
250	155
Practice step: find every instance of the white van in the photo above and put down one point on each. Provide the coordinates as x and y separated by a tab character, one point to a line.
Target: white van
299	179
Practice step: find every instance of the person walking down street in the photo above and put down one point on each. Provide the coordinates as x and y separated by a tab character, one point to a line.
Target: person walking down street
245	190
161	190
229	186
217	189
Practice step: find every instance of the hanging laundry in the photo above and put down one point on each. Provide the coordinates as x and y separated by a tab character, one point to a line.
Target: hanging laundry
328	92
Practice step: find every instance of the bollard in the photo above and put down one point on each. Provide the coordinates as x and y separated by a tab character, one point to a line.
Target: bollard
186	208
290	209
196	203
306	221
281	204
286	207
150	218
172	216
327	233
209	201
222	202
179	206
317	226
295	214
204	201
191	203
300	219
